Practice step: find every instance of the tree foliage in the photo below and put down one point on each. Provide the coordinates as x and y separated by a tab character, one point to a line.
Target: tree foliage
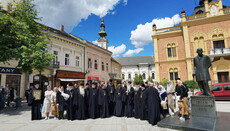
164	82
191	84
138	79
22	39
150	79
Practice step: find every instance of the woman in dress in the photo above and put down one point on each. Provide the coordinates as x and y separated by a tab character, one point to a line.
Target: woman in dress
171	95
47	102
163	95
54	109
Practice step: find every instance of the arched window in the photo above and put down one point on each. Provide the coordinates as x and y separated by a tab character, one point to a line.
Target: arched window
123	76
199	42
219	43
171	49
129	76
173	73
153	75
143	76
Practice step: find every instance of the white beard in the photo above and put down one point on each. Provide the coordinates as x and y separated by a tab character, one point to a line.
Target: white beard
136	88
82	91
128	88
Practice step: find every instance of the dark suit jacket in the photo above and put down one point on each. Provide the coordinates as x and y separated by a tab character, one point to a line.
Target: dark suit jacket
201	68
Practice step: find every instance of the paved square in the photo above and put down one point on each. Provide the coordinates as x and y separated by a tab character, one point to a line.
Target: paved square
19	120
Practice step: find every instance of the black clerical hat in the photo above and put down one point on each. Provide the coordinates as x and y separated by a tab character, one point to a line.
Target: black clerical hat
36	82
177	78
87	84
82	84
143	85
70	84
137	83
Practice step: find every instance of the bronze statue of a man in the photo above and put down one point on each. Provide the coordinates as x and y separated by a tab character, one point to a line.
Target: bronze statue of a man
202	63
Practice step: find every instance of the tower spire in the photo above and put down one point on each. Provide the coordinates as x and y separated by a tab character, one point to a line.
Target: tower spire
102	41
102	33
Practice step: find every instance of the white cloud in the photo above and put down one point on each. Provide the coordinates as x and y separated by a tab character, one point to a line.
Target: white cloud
95	42
141	36
70	12
125	2
117	50
132	52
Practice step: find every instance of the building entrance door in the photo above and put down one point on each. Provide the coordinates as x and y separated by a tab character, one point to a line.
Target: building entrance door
223	77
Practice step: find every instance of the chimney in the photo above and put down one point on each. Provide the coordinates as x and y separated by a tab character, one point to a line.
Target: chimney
62	28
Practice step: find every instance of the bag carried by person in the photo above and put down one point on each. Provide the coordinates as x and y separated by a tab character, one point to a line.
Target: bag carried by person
164	105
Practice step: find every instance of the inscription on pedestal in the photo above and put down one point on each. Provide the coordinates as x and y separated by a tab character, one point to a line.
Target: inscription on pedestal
203	106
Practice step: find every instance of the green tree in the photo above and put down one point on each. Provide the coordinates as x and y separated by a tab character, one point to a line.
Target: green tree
138	78
141	79
191	85
150	79
22	39
164	82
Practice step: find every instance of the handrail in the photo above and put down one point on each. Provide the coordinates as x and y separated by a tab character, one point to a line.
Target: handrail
226	11
197	16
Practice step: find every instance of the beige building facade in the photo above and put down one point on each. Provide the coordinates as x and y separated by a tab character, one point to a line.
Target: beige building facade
207	28
115	71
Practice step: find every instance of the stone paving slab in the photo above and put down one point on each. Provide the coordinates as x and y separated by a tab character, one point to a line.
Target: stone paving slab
19	120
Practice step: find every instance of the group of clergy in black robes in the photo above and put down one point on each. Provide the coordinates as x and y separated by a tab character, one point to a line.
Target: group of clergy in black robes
105	101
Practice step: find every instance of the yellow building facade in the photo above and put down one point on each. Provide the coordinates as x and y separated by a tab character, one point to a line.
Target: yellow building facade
207	28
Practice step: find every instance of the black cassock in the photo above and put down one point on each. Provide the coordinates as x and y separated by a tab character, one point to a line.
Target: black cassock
111	91
87	103
143	109
103	102
137	103
128	99
62	105
70	105
93	103
118	99
153	105
79	103
35	105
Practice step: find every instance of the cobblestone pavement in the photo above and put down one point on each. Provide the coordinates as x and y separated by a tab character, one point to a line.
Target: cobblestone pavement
19	120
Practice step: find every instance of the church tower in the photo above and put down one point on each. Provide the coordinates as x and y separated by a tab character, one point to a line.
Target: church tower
102	41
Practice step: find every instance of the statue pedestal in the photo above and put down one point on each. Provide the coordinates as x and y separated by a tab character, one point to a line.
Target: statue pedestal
203	106
203	117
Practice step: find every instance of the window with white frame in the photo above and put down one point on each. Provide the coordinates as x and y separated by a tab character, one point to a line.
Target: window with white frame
143	76
102	66
55	55
153	75
129	76
77	61
66	59
89	63
107	67
95	64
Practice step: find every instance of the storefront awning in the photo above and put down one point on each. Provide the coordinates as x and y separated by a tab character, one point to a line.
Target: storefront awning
64	79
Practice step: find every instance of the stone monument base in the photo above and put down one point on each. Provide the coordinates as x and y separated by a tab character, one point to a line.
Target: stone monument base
203	106
203	116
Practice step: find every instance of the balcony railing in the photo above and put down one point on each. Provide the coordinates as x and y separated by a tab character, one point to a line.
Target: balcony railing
227	11
54	64
168	29
193	17
220	52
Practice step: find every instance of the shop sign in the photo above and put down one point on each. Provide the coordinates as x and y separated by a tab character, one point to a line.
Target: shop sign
71	75
9	70
93	78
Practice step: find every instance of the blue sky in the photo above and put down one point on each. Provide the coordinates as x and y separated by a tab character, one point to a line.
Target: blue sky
121	17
